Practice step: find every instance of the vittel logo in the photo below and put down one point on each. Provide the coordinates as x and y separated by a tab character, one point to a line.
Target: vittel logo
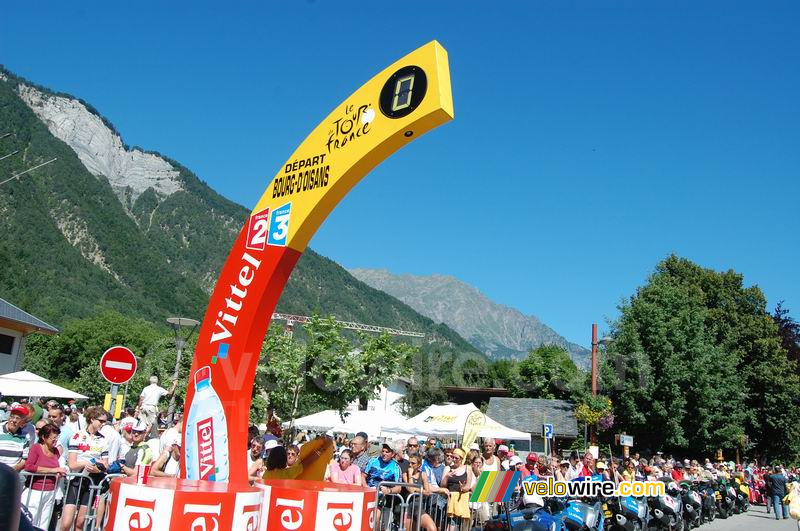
291	513
205	454
227	317
340	515
206	517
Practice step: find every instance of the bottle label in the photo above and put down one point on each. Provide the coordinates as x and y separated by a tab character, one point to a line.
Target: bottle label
205	443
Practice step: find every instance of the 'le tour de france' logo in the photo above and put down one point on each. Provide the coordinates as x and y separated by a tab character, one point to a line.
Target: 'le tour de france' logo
353	124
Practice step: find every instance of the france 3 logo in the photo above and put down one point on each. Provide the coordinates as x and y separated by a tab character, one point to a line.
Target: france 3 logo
264	229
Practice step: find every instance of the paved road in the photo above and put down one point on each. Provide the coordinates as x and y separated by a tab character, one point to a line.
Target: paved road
756	519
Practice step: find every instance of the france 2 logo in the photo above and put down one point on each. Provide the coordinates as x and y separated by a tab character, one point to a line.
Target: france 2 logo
279	225
257	230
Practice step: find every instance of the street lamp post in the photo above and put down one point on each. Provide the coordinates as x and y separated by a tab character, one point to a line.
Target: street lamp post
180	341
604	341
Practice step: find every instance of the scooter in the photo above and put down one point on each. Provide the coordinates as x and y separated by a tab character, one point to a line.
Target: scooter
667	510
723	498
742	495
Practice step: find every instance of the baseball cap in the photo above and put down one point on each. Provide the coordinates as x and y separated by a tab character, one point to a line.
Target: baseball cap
515	460
474	446
532	457
386	446
564	462
270	444
140	426
3	405
601	465
502	448
19	409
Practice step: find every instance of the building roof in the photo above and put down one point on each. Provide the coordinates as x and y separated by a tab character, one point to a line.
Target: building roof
9	312
529	414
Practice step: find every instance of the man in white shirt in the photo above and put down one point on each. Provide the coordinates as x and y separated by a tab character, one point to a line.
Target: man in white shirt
148	402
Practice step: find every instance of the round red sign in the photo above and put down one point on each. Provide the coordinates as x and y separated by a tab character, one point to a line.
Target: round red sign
118	365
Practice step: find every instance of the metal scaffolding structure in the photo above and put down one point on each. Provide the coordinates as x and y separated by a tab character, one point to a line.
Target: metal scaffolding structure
291	319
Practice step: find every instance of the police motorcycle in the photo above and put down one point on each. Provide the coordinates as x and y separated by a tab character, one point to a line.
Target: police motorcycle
585	513
725	501
692	505
534	513
708	494
625	513
666	511
742	491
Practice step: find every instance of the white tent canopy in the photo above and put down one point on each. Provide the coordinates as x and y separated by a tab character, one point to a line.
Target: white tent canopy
27	384
371	422
448	421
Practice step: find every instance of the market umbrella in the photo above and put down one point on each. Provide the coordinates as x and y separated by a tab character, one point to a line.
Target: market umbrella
27	384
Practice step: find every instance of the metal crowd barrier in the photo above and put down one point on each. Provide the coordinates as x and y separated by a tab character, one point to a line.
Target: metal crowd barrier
393	511
45	507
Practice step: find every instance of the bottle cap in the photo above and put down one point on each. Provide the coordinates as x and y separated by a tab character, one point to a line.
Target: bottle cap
202	374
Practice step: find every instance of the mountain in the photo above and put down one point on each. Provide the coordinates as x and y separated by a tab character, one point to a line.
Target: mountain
497	330
108	226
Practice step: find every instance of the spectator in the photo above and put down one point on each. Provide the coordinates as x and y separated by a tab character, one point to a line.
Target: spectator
57	417
14	445
399	450
29	428
490	461
172	433
43	459
575	466
562	471
474	451
530	466
458	480
344	472
128	420
88	452
414	475
140	452
359	448
382	468
148	402
502	454
431	442
677	472
778	492
412	447
168	463
114	442
274	423
588	465
255	464
276	465
76	421
3	411
292	455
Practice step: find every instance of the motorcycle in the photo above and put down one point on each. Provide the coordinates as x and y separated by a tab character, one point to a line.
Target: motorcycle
584	514
709	511
742	494
625	513
667	510
724	500
692	505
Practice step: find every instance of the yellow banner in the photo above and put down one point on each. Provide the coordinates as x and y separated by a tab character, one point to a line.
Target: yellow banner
472	427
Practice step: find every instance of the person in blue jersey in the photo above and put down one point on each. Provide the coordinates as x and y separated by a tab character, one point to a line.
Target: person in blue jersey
382	468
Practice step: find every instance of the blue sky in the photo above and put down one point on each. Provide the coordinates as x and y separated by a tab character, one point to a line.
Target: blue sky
591	139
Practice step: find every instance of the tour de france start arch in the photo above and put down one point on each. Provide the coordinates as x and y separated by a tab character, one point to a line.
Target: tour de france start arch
402	102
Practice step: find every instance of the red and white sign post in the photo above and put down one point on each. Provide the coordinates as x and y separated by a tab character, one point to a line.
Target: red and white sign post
117	365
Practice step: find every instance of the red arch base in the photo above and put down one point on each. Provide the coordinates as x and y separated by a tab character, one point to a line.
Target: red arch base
293	505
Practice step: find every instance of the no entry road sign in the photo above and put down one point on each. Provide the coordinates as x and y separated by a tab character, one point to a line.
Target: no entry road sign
118	365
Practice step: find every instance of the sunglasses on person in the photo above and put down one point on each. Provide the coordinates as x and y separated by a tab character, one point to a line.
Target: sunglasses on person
413	445
291	453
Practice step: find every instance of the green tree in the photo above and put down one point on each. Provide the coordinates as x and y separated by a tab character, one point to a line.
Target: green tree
547	372
326	371
697	364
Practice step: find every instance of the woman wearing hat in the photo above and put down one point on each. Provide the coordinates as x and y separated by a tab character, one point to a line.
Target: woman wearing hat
458	479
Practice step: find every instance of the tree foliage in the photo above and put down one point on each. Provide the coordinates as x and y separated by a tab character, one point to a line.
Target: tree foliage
326	371
789	332
697	363
547	372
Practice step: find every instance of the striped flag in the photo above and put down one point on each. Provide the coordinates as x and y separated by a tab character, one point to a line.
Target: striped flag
495	487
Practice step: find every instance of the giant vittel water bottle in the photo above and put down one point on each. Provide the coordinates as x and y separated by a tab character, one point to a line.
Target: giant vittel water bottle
206	432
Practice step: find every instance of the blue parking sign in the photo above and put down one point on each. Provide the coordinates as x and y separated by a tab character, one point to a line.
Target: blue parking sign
548	431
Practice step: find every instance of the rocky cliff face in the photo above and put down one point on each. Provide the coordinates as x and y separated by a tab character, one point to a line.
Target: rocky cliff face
497	330
101	150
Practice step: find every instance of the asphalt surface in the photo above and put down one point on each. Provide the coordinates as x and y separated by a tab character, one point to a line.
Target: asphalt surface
756	519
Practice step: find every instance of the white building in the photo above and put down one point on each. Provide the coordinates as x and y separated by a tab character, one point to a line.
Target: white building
15	326
387	399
